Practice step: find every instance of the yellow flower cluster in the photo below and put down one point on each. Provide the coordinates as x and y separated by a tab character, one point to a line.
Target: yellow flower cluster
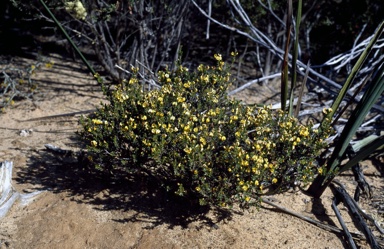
190	133
77	9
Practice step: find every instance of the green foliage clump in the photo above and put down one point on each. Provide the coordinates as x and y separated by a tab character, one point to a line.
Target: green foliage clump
197	142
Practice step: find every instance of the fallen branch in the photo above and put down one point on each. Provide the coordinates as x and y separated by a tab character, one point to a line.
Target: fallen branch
312	221
355	211
8	194
335	202
258	37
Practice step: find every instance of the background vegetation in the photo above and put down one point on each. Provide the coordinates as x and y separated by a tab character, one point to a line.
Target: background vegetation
153	32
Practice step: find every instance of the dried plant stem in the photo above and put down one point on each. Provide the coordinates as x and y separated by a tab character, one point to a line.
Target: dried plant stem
327	227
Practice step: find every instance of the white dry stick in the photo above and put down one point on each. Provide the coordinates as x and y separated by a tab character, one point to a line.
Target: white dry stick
122	69
209	20
8	194
248	84
258	37
150	81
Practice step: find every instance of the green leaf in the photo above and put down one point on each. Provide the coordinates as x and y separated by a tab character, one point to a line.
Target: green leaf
374	91
70	41
284	70
354	71
294	58
364	152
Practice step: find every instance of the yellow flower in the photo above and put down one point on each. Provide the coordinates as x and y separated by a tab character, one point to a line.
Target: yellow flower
187	128
218	57
147	143
187	84
327	110
203	141
304	132
93	143
244	163
132	81
244	187
97	121
320	170
221	64
77	9
198	189
263	111
274	180
247	198
180	99
155	131
134	70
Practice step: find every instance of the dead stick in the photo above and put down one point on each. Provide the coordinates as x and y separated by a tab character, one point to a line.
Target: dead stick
342	223
312	221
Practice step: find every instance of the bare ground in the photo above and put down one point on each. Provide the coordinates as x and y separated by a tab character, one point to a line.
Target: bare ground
78	210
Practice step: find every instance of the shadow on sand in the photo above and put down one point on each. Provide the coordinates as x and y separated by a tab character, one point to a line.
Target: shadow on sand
65	173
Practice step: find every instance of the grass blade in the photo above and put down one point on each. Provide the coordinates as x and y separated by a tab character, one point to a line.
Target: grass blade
284	71
357	117
363	153
354	71
301	93
294	58
68	38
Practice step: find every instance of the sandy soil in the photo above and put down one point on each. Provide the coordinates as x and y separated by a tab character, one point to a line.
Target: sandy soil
77	210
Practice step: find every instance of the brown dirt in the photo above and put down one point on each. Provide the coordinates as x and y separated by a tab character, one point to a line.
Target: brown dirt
78	212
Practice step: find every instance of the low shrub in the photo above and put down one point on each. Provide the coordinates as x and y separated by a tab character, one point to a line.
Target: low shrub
16	81
197	142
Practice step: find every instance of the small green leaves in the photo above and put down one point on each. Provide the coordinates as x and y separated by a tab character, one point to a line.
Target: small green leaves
199	143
